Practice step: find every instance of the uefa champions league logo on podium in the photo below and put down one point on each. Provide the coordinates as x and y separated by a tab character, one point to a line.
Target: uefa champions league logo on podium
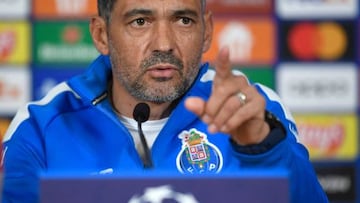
161	194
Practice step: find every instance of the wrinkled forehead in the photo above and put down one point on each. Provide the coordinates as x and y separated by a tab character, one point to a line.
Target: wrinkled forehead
124	6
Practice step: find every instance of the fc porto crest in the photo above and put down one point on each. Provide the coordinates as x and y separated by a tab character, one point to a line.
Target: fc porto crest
197	154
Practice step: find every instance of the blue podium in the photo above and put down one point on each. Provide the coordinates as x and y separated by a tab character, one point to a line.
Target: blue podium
247	187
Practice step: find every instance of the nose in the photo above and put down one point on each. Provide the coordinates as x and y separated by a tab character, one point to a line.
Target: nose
163	38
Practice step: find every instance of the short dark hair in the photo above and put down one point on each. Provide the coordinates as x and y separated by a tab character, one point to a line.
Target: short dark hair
105	8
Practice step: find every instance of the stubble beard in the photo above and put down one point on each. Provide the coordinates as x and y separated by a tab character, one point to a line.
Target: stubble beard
160	90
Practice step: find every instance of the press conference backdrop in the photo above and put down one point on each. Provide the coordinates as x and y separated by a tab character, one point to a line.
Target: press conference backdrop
306	50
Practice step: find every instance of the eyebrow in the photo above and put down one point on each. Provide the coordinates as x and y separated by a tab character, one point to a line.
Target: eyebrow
135	12
186	12
148	12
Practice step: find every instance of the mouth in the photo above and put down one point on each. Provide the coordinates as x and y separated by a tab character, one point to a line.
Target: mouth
162	71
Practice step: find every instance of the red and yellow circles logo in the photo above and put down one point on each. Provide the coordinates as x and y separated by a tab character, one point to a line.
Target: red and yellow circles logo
311	41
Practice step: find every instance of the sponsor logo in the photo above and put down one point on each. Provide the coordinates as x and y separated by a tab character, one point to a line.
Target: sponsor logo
72	34
239	39
14	8
7	41
290	9
13	93
328	137
305	87
335	183
323	40
14	42
325	88
71	6
240	6
338	182
163	193
326	41
66	8
250	41
71	43
9	91
198	155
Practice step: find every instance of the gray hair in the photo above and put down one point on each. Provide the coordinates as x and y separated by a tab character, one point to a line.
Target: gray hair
105	8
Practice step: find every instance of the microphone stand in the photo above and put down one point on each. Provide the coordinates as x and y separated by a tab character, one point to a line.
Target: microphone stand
147	155
141	114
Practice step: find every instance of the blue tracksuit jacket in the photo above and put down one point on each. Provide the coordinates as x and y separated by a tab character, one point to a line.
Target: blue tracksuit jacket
73	128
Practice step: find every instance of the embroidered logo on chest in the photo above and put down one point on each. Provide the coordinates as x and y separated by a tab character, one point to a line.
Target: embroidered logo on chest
197	154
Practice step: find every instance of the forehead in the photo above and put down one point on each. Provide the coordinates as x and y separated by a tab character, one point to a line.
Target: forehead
157	5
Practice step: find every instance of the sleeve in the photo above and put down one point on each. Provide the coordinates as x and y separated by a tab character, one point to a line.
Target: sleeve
287	153
276	135
23	160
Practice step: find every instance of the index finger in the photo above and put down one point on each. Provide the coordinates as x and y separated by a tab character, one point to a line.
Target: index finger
222	64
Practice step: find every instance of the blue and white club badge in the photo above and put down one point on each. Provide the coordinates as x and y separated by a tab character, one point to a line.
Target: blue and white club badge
197	154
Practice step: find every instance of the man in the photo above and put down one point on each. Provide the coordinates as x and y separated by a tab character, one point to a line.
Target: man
151	53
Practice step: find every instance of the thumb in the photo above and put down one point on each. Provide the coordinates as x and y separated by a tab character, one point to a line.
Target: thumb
195	105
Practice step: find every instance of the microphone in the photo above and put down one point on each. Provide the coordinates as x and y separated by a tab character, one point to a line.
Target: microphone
141	114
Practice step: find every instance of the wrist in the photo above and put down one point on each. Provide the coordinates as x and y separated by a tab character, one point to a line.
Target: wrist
275	134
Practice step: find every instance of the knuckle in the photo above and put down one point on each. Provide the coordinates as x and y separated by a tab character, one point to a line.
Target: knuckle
221	90
242	80
230	125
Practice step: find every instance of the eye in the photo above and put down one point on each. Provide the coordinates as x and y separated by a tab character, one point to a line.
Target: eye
186	20
139	22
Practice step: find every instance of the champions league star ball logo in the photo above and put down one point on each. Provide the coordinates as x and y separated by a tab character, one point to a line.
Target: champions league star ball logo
163	194
198	155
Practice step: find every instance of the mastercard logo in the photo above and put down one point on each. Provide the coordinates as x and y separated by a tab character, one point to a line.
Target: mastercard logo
311	41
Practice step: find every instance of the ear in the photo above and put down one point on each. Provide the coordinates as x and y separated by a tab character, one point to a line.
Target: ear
208	31
98	31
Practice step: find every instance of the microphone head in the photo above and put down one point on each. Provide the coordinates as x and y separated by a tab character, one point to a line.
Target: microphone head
141	112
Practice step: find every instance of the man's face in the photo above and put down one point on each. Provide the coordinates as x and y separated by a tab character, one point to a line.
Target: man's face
155	46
